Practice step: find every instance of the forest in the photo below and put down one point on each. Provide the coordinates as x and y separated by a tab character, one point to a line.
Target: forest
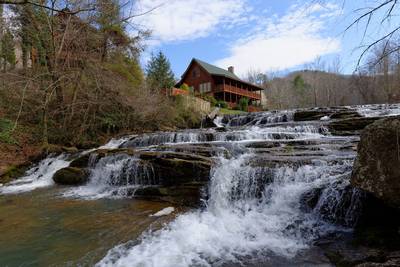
320	84
70	76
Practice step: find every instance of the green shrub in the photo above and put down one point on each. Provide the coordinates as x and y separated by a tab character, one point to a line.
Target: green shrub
221	104
210	99
244	104
185	87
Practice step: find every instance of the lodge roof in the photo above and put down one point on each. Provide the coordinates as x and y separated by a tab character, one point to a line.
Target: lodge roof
217	71
214	70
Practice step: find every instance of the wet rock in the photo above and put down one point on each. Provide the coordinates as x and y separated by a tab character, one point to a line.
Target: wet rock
347	255
317	114
350	126
310	199
376	169
172	168
71	176
13	172
310	115
189	194
81	162
208	123
205	150
378	224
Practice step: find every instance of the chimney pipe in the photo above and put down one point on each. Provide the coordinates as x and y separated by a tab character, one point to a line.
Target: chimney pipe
231	69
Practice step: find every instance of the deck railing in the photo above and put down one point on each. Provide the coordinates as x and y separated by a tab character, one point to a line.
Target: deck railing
238	91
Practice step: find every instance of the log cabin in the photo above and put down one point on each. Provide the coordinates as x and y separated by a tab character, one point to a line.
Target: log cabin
207	79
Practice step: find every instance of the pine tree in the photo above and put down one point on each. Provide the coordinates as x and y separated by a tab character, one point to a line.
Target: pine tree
159	73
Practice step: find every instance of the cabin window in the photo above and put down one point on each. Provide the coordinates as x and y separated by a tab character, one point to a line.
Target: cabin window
205	88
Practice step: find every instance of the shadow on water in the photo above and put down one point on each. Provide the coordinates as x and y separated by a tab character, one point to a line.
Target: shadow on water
40	229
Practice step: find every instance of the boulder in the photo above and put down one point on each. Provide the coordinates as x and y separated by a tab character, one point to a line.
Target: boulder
71	176
376	169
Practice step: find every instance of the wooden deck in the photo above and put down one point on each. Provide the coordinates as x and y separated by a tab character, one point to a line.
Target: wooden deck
238	91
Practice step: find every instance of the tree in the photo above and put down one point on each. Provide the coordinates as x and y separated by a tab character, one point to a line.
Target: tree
159	73
7	51
244	104
257	77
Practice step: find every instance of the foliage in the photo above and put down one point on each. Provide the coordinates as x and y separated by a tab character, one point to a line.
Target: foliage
7	51
185	87
5	132
210	99
186	115
221	104
244	104
159	73
128	69
225	111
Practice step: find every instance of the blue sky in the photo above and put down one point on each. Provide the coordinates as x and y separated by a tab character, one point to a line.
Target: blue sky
257	35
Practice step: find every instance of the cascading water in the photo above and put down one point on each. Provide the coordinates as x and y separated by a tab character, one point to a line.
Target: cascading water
114	177
277	186
37	177
238	222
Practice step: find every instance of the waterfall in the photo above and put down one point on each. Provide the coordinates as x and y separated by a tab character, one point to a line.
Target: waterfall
114	176
238	221
38	176
276	187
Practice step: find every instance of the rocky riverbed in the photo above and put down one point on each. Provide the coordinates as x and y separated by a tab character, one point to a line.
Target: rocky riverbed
269	189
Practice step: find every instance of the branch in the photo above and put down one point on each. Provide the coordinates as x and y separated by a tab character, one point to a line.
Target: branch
28	2
389	35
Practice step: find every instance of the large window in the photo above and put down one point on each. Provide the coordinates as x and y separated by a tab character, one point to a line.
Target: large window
205	88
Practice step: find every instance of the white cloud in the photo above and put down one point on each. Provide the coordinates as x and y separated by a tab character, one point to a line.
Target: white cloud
285	42
178	20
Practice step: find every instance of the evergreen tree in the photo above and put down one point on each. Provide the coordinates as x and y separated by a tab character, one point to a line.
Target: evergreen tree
7	52
159	73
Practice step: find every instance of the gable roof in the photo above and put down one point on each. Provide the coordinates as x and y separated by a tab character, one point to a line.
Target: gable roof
214	70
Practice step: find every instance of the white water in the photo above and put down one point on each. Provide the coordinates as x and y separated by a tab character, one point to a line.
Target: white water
42	175
236	223
116	142
113	177
382	110
36	177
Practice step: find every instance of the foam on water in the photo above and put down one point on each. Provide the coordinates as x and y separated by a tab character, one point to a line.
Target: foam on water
114	177
116	142
36	177
236	222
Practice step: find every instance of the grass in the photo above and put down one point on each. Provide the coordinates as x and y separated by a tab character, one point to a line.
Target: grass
225	111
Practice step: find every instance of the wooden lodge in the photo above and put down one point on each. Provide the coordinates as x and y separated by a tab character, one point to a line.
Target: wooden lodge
207	79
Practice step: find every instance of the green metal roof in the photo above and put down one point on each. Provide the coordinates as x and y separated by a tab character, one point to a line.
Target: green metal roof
214	70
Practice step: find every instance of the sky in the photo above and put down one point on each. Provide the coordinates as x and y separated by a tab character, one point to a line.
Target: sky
268	36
